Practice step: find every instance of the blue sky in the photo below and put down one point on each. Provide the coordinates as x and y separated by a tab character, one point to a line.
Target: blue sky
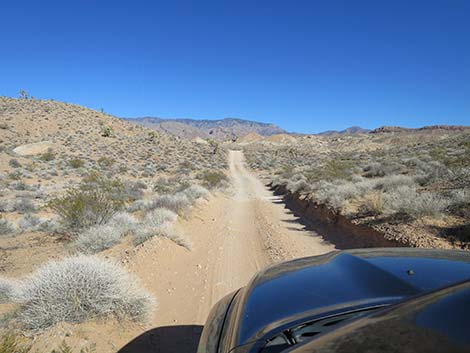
306	65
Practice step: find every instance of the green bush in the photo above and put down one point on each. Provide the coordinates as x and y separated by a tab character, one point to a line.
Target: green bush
76	163
48	156
94	202
212	179
106	131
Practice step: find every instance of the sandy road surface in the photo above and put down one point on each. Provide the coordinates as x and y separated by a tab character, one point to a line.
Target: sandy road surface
234	235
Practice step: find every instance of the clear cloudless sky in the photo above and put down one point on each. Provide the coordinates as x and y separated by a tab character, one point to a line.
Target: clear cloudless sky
307	65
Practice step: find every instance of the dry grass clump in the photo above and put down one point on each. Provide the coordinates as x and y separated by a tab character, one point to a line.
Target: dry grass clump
77	289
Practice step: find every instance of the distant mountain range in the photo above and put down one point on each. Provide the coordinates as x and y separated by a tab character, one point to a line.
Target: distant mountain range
223	129
233	128
350	130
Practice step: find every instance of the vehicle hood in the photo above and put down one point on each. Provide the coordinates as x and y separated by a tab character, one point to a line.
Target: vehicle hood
343	279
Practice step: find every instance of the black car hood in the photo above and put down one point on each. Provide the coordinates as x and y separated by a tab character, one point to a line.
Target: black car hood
343	279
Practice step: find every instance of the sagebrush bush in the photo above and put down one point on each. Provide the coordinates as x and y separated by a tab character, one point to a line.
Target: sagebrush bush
298	185
77	289
24	205
175	203
7	227
98	238
8	289
124	221
164	230
407	200
94	202
29	221
195	192
159	216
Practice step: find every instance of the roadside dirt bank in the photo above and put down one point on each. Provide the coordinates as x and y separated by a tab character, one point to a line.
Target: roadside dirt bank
345	233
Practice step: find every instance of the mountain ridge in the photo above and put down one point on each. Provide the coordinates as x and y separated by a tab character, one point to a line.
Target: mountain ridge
222	129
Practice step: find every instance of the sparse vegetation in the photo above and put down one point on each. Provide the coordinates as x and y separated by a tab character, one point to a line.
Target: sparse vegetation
408	178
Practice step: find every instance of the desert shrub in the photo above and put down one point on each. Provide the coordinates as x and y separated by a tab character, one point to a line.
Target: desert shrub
24	205
8	290
11	343
106	131
7	227
124	221
47	156
393	181
278	180
407	200
164	230
337	169
94	202
175	203
459	201
28	221
16	175
298	185
373	203
159	216
77	289
14	163
212	179
106	162
133	190
195	192
139	205
335	194
76	163
170	185
98	238
101	237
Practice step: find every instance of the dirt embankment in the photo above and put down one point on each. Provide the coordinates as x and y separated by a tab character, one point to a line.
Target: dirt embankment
334	227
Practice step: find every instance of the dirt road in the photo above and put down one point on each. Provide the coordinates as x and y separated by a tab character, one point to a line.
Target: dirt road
234	235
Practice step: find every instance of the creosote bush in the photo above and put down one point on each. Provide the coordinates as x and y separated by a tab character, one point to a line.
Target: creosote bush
94	202
212	179
77	289
76	163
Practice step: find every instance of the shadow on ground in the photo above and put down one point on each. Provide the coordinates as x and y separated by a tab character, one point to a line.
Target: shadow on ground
167	339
